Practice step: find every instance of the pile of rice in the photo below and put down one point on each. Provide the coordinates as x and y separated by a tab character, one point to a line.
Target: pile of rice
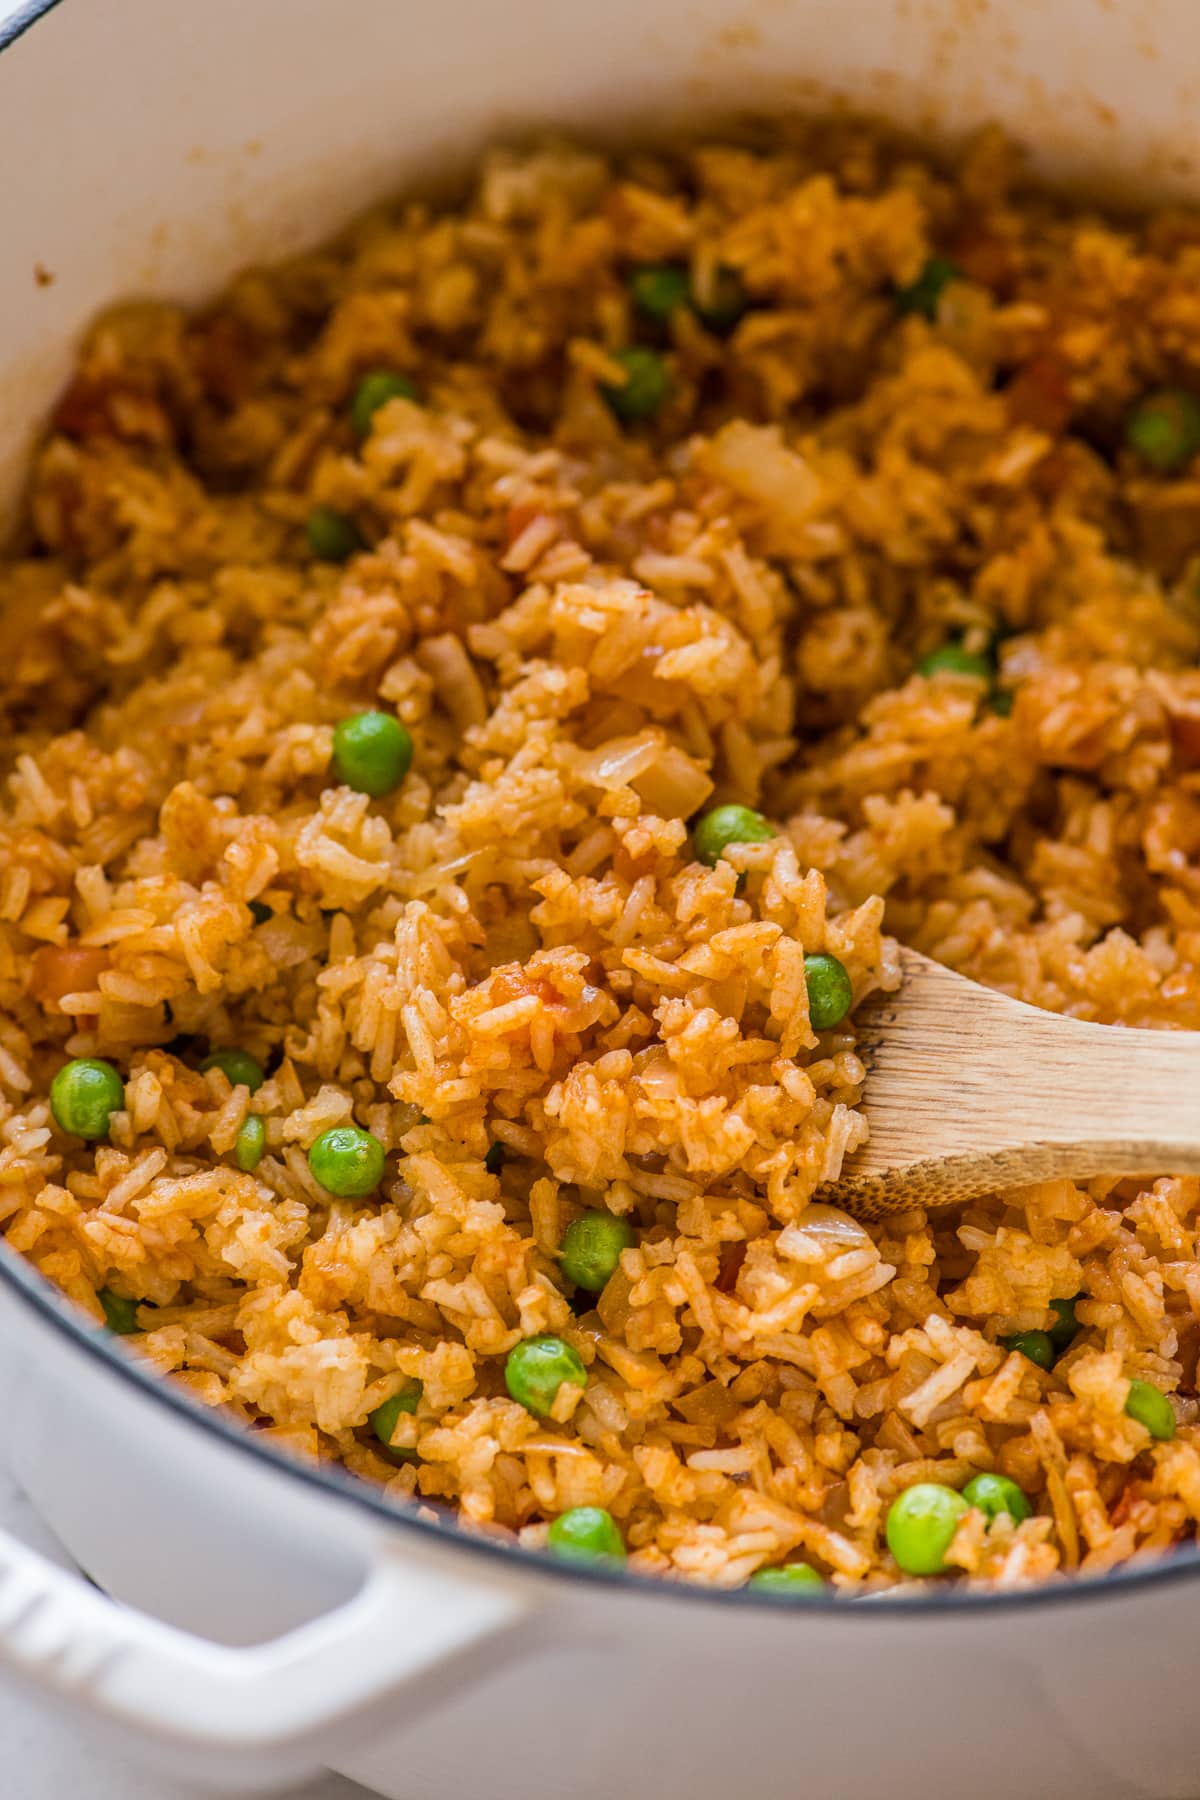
593	632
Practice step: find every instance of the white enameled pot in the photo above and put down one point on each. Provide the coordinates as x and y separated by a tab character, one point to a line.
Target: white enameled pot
265	1619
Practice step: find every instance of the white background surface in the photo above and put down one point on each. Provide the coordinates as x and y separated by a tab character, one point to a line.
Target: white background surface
43	1757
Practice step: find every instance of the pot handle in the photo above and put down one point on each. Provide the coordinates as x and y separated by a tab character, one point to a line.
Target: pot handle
272	1709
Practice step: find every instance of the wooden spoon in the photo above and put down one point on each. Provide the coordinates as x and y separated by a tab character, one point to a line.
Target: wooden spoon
968	1090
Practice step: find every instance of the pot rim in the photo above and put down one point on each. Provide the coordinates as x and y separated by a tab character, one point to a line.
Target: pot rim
33	1291
17	23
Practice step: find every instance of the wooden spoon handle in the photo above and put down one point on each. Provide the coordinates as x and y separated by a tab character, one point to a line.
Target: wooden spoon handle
968	1090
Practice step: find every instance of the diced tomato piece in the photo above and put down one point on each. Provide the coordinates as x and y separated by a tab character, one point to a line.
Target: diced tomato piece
83	409
1041	394
225	355
517	519
59	969
985	258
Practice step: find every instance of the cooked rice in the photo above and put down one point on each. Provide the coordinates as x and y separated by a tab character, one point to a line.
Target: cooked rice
591	632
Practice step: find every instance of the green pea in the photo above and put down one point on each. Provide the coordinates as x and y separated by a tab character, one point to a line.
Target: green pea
727	303
1152	1409
1038	1346
331	535
535	1369
384	1419
725	825
1164	429
1066	1326
586	1534
239	1068
260	912
921	1524
592	1246
84	1095
996	1494
375	390
347	1162
250	1143
793	1578
120	1314
493	1162
830	991
372	753
924	294
952	659
646	387
659	289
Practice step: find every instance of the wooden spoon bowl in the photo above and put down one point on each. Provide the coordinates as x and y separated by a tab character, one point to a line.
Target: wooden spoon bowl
968	1090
